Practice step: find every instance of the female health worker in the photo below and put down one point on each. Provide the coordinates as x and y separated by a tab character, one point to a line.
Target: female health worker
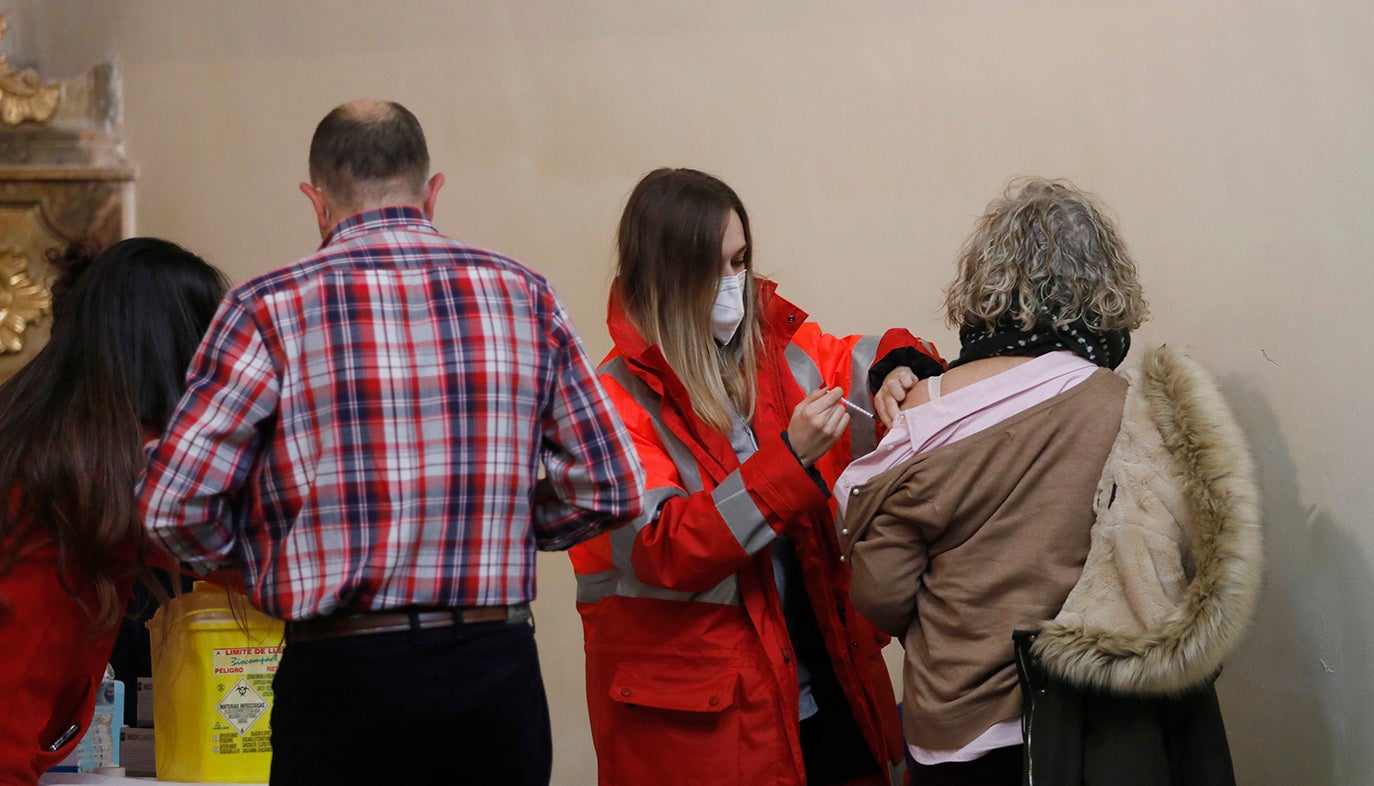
721	644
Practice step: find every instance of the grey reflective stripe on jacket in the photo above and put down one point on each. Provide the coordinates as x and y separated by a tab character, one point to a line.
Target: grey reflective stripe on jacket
733	503
862	437
742	516
648	400
621	580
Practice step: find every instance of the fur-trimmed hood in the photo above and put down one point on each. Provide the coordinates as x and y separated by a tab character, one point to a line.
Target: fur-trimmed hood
1173	572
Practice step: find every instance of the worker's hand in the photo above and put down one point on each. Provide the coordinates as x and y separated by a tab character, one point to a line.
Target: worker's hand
887	402
816	424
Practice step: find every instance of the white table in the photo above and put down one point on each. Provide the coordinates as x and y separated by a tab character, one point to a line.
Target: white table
108	780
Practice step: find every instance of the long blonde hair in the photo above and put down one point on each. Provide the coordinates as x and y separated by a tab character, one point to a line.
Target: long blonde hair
1046	251
669	248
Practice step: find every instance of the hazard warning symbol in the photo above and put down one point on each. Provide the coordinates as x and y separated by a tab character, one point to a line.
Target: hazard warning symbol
242	706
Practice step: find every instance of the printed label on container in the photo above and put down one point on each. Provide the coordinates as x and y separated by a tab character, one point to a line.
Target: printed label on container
242	706
243	677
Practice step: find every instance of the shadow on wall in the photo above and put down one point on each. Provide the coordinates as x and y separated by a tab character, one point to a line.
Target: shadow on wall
1292	693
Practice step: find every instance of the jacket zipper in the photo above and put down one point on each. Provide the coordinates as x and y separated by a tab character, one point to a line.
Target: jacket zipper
777	386
1028	710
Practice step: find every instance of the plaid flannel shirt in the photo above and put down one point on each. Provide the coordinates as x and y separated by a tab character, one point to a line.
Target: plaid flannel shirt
365	430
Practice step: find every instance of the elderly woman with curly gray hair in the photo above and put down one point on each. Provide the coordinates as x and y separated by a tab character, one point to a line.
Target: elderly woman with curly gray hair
1066	553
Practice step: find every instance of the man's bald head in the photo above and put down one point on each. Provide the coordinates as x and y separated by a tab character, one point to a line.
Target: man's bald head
368	154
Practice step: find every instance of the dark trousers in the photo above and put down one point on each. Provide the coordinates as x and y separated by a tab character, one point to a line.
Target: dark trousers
1000	767
833	747
834	750
456	705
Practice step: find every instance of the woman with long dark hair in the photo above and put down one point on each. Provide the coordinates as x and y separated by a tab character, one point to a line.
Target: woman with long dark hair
125	326
721	646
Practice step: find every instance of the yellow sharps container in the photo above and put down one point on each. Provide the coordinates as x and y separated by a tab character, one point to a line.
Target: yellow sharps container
214	657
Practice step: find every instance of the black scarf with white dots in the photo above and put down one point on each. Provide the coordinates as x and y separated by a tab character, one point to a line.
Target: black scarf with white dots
1106	348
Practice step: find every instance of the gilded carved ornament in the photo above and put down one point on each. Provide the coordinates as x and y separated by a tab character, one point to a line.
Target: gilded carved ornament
23	96
22	300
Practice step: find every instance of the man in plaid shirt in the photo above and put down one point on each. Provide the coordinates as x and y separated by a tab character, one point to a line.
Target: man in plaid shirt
362	438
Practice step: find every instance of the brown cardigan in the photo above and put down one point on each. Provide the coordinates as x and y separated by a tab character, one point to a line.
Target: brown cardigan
958	547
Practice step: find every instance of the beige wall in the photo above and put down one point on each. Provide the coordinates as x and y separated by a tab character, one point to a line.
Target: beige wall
1232	138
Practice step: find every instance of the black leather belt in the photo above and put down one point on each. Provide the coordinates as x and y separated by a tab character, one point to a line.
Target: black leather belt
369	623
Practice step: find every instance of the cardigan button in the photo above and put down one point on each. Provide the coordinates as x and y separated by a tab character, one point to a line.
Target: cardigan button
624	691
714	701
844	531
842	558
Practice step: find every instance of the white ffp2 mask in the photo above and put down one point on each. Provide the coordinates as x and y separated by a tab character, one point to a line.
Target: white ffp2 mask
728	310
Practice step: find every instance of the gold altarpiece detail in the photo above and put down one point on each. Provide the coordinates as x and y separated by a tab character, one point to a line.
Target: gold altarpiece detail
23	301
23	94
62	179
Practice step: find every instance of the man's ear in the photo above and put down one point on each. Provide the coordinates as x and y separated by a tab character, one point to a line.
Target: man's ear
317	199
432	193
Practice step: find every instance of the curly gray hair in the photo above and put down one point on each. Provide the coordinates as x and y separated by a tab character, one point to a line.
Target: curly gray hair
1045	252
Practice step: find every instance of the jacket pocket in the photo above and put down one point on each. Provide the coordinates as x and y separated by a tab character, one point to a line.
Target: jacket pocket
673	724
44	758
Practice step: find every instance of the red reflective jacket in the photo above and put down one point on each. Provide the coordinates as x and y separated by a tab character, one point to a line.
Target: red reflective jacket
50	669
690	674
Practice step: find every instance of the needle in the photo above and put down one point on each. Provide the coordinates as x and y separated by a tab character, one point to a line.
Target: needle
856	408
